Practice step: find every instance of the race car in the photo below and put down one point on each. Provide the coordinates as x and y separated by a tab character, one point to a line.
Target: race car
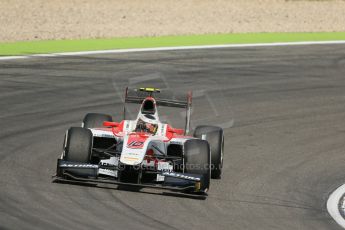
143	152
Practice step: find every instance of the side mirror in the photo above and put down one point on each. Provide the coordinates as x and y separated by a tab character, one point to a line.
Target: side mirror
177	131
171	131
110	124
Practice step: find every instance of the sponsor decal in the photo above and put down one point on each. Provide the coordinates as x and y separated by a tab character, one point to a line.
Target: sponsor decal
176	142
69	165
182	176
106	164
136	141
164	167
112	161
160	178
108	172
105	135
203	137
135	144
131	158
162	130
133	154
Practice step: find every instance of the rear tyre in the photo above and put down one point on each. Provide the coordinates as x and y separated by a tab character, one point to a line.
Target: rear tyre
95	120
197	160
78	145
215	137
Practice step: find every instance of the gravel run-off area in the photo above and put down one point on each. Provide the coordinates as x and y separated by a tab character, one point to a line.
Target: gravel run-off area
22	20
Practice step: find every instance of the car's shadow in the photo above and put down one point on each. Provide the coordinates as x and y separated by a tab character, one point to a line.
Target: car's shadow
141	190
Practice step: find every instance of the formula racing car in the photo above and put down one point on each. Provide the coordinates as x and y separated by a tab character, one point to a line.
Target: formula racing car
143	152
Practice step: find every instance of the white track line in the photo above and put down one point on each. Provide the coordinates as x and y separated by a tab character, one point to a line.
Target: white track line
174	48
12	57
333	205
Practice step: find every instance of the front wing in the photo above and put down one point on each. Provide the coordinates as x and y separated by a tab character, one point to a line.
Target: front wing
88	173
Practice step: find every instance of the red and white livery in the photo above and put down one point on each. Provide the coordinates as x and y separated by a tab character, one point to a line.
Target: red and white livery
143	152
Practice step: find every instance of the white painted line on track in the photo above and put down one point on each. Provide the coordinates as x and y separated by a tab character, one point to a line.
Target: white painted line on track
174	48
13	57
333	205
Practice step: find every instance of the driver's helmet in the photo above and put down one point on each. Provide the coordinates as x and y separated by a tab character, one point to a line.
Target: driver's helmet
147	124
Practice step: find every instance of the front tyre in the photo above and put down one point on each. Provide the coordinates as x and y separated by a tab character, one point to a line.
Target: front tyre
197	160
95	120
215	137
78	145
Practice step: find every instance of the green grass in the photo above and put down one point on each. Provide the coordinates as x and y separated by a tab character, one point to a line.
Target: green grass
54	46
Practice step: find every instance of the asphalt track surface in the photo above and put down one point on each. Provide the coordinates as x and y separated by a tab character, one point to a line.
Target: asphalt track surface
283	113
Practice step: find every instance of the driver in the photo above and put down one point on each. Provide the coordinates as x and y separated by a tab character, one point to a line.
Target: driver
147	124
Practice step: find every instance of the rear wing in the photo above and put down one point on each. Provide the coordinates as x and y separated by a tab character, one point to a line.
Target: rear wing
165	98
138	95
